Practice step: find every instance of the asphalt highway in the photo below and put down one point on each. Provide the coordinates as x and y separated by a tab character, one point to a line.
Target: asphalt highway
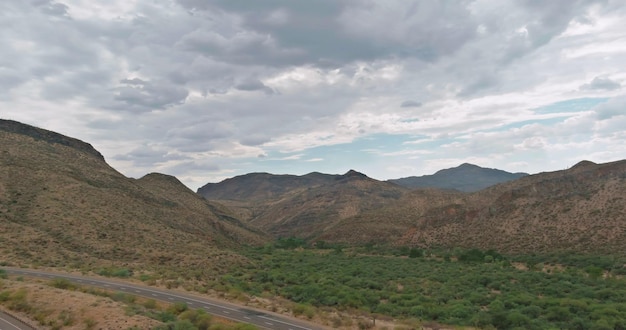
7	322
226	310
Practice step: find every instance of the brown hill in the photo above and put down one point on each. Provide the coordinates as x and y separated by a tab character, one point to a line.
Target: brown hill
262	187
301	206
62	205
580	209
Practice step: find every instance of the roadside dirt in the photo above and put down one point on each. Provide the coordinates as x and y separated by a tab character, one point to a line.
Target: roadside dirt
48	308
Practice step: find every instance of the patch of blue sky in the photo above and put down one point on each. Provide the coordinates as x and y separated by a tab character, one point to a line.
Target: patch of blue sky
337	158
409	120
573	105
520	124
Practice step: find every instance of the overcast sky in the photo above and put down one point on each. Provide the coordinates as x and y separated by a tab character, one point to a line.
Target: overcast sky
210	89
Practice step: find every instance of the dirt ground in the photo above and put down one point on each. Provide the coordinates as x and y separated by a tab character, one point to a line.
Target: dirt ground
51	308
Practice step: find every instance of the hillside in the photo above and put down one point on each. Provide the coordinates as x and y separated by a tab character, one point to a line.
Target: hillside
580	209
62	205
466	178
301	206
260	187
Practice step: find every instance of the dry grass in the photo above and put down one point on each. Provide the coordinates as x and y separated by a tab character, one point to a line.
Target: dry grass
51	308
303	206
582	209
63	207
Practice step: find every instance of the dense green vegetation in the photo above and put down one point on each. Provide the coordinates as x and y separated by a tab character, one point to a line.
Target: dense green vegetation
469	288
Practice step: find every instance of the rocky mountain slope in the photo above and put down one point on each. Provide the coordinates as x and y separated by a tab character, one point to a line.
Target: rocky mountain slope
580	209
466	178
62	205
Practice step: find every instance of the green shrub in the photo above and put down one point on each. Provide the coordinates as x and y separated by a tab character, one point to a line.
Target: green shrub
177	308
62	283
115	272
150	304
124	297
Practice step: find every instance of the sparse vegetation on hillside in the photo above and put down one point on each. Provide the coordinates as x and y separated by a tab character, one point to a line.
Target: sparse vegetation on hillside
581	209
61	205
302	206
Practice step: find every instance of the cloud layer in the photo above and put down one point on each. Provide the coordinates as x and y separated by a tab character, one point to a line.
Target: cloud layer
205	89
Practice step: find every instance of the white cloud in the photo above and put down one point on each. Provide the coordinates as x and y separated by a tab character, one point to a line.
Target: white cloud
199	83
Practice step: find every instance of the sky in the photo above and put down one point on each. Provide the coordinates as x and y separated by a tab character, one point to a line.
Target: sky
210	89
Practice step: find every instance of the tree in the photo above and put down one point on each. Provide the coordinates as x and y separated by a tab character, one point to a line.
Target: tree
415	253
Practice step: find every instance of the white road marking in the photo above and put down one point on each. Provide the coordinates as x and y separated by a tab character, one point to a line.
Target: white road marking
7	321
103	283
287	323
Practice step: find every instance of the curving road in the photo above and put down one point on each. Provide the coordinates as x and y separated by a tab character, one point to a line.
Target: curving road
226	310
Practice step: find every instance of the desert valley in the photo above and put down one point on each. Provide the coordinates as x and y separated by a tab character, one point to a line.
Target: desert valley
499	250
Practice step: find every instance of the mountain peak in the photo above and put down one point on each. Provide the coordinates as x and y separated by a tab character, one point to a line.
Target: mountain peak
465	177
584	163
353	174
161	177
468	165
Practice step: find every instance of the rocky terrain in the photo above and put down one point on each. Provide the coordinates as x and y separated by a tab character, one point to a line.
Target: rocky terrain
580	209
61	204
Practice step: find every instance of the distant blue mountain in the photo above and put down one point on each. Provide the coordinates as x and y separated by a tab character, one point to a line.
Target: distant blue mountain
466	178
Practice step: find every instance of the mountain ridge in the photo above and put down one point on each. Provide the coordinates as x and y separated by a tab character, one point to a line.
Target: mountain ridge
579	209
64	198
300	205
36	133
61	204
465	177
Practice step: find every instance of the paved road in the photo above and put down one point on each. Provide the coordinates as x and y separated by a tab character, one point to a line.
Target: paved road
7	322
226	310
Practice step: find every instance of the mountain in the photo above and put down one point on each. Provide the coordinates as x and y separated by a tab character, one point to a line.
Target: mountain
61	204
258	187
466	178
301	206
581	209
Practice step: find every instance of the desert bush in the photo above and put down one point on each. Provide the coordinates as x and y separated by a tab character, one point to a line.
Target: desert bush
62	283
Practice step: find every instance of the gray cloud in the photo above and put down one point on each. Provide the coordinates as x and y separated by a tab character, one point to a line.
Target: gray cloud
148	155
139	95
193	76
410	104
612	108
52	8
254	85
332	33
599	83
